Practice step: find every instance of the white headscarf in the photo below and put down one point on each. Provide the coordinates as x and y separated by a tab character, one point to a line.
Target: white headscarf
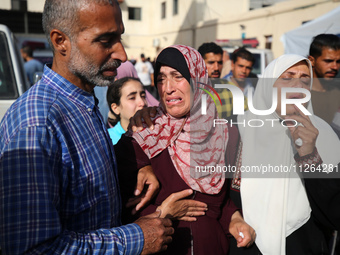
276	207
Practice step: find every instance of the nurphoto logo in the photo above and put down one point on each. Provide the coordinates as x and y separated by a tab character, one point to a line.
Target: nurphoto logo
238	104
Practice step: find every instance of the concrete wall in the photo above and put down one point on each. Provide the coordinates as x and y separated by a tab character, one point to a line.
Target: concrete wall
5	4
201	21
32	5
207	20
35	5
274	20
174	29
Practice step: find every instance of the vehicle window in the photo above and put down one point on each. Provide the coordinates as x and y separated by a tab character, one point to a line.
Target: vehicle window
257	65
8	86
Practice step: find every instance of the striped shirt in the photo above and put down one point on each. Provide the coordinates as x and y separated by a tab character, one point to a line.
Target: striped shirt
59	191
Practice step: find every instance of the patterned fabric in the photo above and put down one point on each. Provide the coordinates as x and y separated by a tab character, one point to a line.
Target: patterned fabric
225	110
59	190
313	159
192	140
248	83
236	181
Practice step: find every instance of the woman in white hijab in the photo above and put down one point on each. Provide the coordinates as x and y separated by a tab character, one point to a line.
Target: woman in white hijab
277	207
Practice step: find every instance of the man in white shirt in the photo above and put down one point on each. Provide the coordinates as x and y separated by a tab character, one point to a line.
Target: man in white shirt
145	74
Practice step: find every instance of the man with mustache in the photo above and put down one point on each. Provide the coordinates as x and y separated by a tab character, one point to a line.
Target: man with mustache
213	58
58	174
242	63
212	55
324	53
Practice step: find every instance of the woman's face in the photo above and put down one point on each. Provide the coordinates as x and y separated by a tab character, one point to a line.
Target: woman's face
132	99
297	76
175	92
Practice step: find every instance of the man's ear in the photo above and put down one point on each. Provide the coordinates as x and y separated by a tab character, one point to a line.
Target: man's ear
312	60
115	108
60	41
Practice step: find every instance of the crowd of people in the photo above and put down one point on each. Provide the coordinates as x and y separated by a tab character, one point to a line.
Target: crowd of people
104	157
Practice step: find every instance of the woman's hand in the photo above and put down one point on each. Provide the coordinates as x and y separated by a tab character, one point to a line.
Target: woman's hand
244	234
147	187
306	132
175	207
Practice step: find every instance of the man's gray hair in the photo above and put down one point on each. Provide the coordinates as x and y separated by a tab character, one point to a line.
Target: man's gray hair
63	15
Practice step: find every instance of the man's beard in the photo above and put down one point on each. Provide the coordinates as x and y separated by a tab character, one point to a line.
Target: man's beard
328	82
321	76
82	67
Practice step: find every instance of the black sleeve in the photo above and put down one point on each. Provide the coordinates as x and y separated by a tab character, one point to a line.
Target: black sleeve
130	158
324	198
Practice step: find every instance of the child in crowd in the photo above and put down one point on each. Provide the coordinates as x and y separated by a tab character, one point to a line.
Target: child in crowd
125	97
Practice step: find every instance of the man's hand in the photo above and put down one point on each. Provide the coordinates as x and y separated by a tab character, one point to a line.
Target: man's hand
244	234
146	180
146	113
157	232
174	206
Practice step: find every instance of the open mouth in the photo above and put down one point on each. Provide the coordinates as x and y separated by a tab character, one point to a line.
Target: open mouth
172	101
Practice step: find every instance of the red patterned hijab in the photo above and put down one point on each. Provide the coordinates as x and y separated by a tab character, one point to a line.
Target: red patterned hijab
194	144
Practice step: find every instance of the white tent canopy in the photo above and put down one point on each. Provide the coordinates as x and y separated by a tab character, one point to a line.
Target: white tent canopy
297	41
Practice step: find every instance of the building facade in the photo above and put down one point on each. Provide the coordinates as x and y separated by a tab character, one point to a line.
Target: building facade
160	23
154	24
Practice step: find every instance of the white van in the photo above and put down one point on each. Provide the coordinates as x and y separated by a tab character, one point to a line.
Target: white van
13	81
262	58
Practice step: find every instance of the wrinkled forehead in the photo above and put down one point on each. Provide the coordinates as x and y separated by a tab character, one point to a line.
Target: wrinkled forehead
274	70
285	62
302	65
